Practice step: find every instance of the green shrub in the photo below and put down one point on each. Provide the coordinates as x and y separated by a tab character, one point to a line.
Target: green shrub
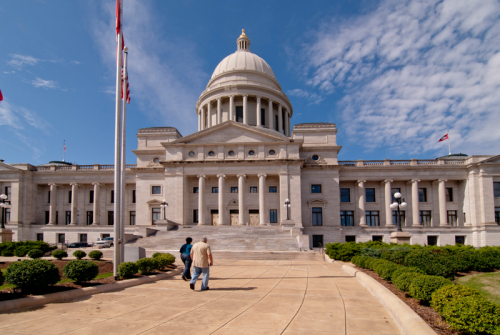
405	269
472	315
388	270
362	261
371	252
32	273
345	252
2	279
21	251
35	253
157	254
396	254
487	259
403	281
430	262
127	269
7	253
448	293
79	254
147	265
95	255
81	270
423	286
165	260
59	254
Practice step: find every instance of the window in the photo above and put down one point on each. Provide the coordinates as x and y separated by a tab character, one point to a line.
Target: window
231	153
497	215
105	236
156	214
395	218
156	160
394	191
350	238
239	114
83	238
196	190
191	154
90	218
315	188
61	238
253	189
449	194
273	189
234	189
69	197
372	218
156	190
347	218
133	196
48	197
7	215
263	116
47	217
377	238
317	241
370	194
452	218
91	197
460	240
111	218
276	125
496	190
215	190
272	152
132	218
195	216
211	153
432	240
68	217
425	218
317	216
273	213
315	157
345	195
251	153
7	192
39	237
422	195
112	197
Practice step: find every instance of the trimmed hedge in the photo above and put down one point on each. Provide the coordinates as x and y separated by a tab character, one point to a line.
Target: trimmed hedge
81	270
127	269
79	254
20	249
448	293
59	254
157	254
472	315
147	265
95	255
430	262
35	253
165	260
7	253
403	281
32	273
423	286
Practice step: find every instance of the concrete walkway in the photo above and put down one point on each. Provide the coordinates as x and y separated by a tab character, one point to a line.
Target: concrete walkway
245	297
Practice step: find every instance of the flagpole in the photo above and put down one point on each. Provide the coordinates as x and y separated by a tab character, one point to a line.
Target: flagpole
123	148
449	142
118	128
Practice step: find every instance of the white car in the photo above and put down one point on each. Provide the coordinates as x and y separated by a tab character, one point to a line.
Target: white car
106	242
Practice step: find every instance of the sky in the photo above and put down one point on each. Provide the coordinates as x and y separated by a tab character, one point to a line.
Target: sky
393	75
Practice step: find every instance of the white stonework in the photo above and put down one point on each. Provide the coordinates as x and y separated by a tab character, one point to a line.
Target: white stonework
240	167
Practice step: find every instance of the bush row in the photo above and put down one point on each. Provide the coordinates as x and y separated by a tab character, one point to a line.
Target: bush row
21	249
146	265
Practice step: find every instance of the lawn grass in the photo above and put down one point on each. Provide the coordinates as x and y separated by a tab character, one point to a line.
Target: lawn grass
486	283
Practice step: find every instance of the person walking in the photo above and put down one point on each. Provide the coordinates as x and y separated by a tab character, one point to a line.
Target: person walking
186	258
201	254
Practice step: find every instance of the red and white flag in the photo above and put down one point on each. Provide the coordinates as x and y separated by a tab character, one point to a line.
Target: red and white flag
445	137
1	96
128	89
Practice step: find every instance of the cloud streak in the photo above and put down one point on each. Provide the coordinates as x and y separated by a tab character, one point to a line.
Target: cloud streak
39	82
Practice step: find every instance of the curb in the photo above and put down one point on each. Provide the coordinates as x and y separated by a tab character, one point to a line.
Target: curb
406	318
9	305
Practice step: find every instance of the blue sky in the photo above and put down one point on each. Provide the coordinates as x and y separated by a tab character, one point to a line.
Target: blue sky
393	75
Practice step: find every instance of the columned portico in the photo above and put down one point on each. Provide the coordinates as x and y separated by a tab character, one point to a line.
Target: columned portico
74	203
414	203
241	199
361	202
443	215
201	200
388	201
222	207
97	202
52	208
262	201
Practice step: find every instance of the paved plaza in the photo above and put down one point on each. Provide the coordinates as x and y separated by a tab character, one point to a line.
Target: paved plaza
245	297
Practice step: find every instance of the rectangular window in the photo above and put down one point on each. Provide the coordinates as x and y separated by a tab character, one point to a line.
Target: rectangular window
112	197
83	238
317	216
345	195
317	241
422	195
273	189
133	196
497	215
48	197
111	218
350	238
7	192
103	236
39	237
276	123
263	116
7	215
395	218
91	197
196	190
132	218
452	218
69	197
68	217
253	189
47	217
347	218
156	190
432	240
195	216
90	217
156	214
496	190
273	213
61	238
394	191
315	188
377	238
370	195
234	189
425	218
460	240
372	218
449	194
215	190
239	114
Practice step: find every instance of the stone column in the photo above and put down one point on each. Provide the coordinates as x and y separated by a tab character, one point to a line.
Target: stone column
289	124
201	200
262	201
270	112
199	120
245	109
219	111
388	201
285	128
97	201
259	118
443	215
222	201
231	108
209	114
203	118
280	119
414	203
74	204
53	199
241	199
361	203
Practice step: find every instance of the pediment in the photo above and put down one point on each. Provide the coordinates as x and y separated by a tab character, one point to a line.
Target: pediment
494	159
319	202
7	167
154	202
232	132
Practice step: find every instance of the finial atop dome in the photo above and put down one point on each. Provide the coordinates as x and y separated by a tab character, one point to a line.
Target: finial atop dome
243	42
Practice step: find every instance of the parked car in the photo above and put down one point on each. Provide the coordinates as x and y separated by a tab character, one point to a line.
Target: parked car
106	242
78	245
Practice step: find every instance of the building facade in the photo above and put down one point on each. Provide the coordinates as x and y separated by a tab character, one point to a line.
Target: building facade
240	168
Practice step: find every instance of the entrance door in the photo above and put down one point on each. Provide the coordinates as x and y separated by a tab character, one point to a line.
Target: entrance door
233	213
254	217
214	213
156	214
318	241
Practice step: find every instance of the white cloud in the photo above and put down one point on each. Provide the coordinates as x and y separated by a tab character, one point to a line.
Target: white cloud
411	70
19	61
19	117
39	82
76	62
165	74
313	98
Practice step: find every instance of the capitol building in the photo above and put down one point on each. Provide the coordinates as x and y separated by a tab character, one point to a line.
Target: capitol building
247	165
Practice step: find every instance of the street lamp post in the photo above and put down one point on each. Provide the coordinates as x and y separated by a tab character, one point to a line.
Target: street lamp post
164	205
287	205
3	204
399	204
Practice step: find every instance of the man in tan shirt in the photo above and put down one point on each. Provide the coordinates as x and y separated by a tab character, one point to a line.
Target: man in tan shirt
201	254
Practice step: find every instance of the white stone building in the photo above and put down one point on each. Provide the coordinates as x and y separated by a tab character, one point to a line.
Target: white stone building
242	165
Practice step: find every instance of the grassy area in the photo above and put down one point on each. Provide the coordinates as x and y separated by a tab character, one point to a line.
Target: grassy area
486	283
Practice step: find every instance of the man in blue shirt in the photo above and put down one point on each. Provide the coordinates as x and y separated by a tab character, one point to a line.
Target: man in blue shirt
186	258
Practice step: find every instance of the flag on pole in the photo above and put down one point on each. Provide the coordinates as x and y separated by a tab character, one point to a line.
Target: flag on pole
444	138
128	88
1	96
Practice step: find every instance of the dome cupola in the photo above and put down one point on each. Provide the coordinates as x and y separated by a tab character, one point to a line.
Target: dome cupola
243	42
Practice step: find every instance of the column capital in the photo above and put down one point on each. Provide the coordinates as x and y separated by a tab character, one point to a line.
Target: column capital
53	184
219	99
258	97
279	105
232	96
270	100
74	184
221	176
245	95
96	184
241	175
361	181
201	176
262	175
388	181
415	181
442	180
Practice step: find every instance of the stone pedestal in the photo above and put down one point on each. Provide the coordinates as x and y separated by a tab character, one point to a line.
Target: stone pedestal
133	254
287	224
6	235
400	237
165	225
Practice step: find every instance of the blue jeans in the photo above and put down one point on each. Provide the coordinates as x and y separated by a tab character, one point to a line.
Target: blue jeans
187	265
197	272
